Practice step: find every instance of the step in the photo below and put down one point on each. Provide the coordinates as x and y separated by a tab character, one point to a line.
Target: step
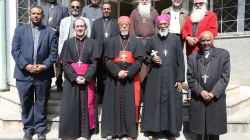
232	90
240	121
237	102
11	100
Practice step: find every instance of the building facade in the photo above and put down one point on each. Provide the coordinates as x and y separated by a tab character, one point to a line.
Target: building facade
233	21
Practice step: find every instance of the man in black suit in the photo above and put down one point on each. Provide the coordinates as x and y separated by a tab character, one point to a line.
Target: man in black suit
34	49
102	30
53	14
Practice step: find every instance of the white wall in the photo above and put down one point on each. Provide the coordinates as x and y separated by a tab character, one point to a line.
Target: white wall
11	22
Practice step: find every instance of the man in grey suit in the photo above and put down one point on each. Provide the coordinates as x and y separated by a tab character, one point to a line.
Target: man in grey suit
53	14
103	29
34	49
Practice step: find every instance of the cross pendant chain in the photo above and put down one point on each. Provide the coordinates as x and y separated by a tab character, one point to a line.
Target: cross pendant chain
79	53
106	29
205	76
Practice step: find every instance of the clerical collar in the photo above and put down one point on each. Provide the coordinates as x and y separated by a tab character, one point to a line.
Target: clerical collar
126	36
206	52
106	18
80	38
74	17
36	27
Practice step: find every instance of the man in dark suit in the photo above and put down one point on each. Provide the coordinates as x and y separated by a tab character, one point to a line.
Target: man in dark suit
34	49
53	14
102	30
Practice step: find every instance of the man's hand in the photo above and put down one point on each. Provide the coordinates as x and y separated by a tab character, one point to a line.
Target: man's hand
211	95
29	68
205	95
192	41
80	80
122	74
39	68
157	60
179	86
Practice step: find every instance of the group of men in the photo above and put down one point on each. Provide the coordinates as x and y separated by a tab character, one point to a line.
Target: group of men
134	60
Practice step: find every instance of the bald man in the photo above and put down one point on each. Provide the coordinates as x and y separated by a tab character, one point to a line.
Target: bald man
208	76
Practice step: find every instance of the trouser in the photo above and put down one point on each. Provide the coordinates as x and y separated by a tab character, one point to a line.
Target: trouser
59	69
33	96
208	137
101	80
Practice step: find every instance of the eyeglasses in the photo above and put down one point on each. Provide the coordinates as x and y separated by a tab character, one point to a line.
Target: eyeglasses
77	7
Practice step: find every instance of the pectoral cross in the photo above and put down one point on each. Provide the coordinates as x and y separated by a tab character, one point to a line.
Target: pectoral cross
165	52
123	56
154	53
205	77
93	19
106	34
175	17
79	63
143	20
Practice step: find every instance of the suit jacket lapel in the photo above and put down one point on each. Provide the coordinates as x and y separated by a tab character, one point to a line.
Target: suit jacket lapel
42	33
211	55
67	26
30	37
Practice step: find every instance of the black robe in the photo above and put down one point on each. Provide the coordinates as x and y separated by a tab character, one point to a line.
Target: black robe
71	114
118	110
208	117
162	108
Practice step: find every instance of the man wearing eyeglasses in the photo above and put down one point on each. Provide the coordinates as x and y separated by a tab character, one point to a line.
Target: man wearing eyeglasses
53	14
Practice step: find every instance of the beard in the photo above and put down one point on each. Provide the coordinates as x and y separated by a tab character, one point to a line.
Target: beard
124	33
163	32
75	14
144	10
198	14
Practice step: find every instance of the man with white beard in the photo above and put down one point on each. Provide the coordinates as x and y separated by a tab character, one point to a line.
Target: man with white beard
123	59
162	108
143	25
200	20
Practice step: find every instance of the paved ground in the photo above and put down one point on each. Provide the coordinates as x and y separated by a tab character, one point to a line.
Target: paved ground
17	135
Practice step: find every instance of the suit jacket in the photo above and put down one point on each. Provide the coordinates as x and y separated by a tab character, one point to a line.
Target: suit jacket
183	15
60	13
208	23
23	50
97	32
64	30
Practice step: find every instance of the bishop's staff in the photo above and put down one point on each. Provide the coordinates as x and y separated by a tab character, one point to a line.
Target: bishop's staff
156	59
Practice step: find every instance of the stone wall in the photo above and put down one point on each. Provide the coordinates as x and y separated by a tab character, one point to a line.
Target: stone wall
239	49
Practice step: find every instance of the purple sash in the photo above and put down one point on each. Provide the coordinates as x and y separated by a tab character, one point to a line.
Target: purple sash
91	92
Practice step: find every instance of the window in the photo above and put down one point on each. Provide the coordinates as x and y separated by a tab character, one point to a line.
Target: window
233	15
23	11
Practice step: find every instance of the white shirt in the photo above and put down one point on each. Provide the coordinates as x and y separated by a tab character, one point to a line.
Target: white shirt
175	26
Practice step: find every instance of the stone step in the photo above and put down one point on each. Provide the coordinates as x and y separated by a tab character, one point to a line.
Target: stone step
240	121
236	102
232	90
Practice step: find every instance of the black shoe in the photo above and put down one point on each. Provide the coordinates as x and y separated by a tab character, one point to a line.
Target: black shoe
41	136
27	137
59	88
